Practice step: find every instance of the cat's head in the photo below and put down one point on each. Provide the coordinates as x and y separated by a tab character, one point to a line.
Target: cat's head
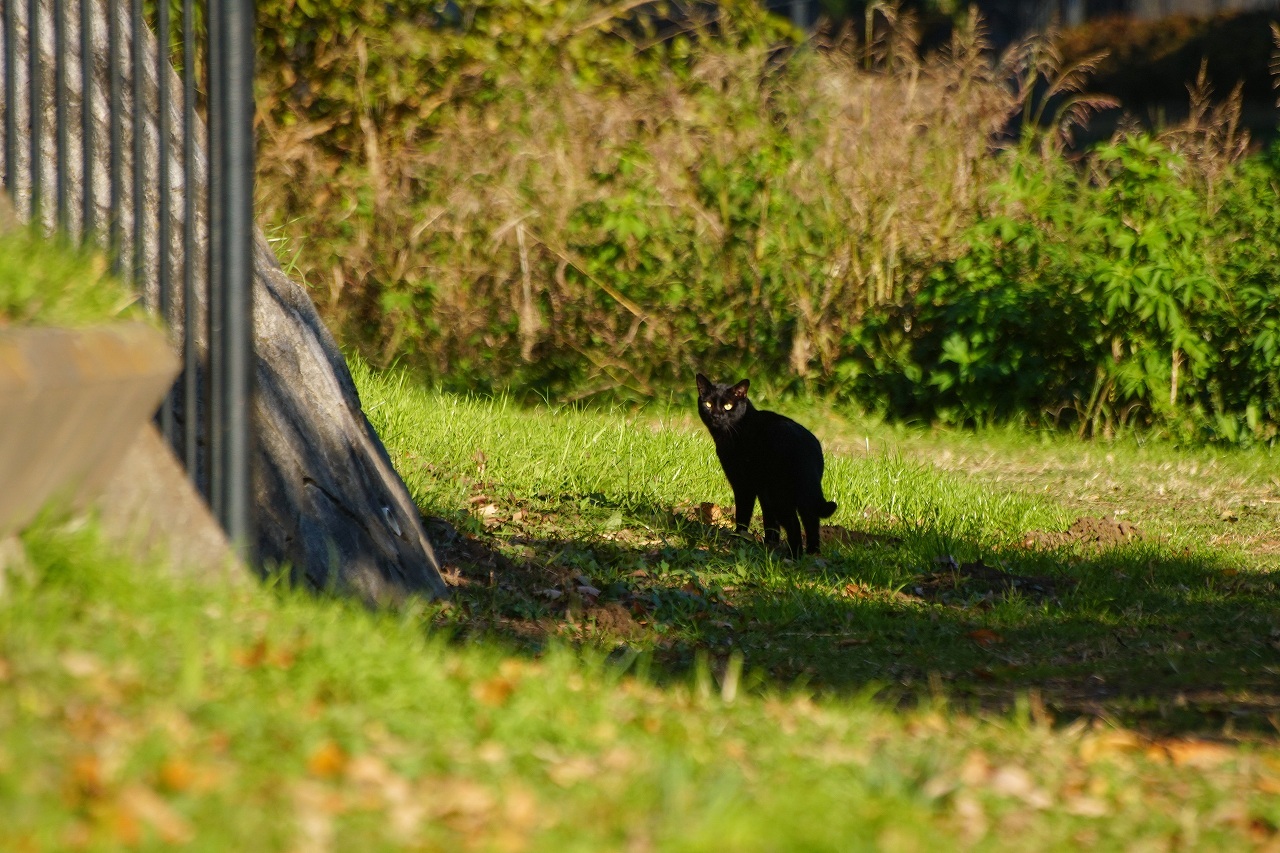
721	406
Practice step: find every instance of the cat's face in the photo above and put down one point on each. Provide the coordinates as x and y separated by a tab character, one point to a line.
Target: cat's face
721	406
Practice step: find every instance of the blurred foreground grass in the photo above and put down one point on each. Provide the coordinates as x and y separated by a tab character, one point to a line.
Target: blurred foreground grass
139	709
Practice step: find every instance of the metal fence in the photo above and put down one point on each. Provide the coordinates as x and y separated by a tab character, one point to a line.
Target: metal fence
104	142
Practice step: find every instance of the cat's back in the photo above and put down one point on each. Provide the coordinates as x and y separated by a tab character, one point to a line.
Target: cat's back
786	436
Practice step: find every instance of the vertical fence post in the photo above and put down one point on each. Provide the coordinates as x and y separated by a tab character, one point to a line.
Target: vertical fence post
36	101
10	99
61	177
115	87
88	209
190	359
214	81
138	98
164	267
231	30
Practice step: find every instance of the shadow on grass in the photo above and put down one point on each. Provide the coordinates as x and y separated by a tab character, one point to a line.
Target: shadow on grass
1125	630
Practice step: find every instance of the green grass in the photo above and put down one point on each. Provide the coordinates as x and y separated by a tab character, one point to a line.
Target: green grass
49	283
1170	632
709	697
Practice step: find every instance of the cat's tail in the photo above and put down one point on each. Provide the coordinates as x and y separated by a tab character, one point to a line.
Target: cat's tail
826	509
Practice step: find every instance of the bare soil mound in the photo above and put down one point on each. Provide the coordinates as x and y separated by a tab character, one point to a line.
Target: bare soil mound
1100	533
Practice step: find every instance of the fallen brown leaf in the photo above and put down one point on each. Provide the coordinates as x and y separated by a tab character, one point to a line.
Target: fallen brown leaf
253	656
1109	742
80	664
1086	806
1197	753
86	778
462	798
985	637
327	761
175	775
1014	781
1268	784
494	692
1261	830
126	827
570	771
314	808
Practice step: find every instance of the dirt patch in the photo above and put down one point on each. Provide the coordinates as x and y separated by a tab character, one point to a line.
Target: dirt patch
614	619
706	513
1099	533
976	583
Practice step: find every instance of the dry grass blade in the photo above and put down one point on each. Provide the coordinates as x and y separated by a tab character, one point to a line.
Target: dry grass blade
1275	59
1075	113
898	154
1045	78
1211	139
604	16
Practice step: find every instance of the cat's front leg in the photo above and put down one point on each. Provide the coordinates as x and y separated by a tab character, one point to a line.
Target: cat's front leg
792	523
770	519
743	507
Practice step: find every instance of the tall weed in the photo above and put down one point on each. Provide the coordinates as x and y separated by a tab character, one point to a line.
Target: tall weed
610	214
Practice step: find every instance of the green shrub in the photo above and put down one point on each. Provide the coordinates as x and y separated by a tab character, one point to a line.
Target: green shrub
1118	294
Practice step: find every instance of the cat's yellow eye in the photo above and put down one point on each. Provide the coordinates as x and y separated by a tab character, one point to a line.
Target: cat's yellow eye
706	403
728	406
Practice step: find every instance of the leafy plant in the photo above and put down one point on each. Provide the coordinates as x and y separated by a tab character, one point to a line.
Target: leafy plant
1123	294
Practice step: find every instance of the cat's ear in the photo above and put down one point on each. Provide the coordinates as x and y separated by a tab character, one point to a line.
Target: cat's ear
704	385
740	390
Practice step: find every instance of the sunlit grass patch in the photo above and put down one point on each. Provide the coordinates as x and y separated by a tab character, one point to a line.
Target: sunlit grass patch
953	559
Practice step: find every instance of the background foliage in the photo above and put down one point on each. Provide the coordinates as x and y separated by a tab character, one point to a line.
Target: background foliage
1127	292
577	199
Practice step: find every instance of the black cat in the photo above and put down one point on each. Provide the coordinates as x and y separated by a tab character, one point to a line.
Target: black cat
767	456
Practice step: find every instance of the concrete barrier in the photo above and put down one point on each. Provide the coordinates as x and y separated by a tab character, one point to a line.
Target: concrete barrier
71	404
